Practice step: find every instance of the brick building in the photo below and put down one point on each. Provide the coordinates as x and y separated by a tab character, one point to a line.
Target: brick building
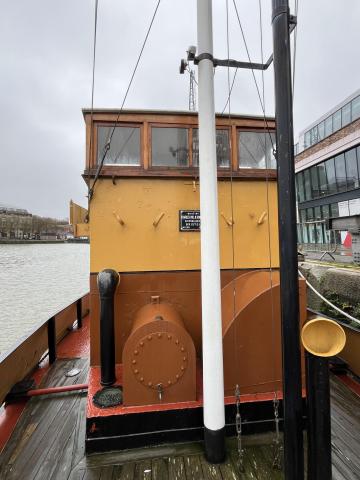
327	165
14	222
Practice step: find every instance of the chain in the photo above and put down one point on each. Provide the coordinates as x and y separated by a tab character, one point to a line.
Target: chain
278	449
238	429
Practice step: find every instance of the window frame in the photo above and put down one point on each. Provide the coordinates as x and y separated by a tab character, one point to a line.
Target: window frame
238	147
94	154
169	167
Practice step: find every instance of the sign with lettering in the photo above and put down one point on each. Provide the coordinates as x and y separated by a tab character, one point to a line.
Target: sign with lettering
189	220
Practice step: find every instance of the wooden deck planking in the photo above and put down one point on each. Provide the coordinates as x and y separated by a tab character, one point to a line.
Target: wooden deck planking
48	443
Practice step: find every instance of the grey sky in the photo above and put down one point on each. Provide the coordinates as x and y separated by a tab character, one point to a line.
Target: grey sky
45	77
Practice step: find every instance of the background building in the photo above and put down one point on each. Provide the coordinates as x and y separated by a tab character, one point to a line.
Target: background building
327	165
14	222
18	223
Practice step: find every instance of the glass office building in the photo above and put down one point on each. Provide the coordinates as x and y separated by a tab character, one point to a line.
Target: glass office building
328	177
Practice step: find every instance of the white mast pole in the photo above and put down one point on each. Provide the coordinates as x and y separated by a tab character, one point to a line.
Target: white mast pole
212	351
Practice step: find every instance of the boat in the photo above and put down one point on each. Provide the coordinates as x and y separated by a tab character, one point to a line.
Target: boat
191	330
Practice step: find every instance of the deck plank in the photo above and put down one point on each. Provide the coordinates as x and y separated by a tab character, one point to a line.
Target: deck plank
159	469
124	472
193	468
48	443
143	470
209	471
177	468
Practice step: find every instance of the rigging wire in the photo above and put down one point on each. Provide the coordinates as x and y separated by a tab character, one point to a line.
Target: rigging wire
277	443
294	52
238	421
230	90
253	74
91	141
111	134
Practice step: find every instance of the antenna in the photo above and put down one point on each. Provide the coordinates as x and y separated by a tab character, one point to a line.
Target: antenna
192	91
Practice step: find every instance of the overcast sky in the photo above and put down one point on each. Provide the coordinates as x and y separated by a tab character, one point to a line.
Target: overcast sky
45	77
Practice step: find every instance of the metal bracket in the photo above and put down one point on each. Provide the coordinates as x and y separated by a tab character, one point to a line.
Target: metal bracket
228	62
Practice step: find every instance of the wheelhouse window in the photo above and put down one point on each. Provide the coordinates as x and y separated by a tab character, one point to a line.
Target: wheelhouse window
169	147
222	148
124	146
256	150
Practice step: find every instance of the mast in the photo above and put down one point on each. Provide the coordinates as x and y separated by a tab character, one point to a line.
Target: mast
289	288
212	351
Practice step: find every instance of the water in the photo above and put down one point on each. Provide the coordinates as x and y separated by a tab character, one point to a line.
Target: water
36	281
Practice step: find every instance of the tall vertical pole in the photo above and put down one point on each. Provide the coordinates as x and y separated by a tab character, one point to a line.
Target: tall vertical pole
289	288
319	423
213	374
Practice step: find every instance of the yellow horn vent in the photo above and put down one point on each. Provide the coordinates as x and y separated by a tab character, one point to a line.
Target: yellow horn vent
323	337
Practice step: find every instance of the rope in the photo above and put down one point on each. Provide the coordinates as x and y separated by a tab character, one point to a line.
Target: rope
253	73
108	143
353	319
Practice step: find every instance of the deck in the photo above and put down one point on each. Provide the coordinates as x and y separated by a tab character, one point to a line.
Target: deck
48	442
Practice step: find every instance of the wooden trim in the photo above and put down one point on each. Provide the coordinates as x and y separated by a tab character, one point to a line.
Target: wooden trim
190	140
234	149
95	147
87	143
176	172
145	137
178	118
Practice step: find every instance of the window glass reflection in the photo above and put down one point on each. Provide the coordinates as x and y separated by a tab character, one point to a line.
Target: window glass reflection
222	148
256	150
307	185
328	126
331	177
314	182
300	185
346	114
321	130
340	172
169	147
323	187
334	210
351	169
336	120
124	148
355	108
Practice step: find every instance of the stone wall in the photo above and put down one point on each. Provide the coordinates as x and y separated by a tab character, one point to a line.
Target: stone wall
339	285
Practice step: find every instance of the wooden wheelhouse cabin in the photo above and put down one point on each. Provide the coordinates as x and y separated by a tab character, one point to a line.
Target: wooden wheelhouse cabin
144	224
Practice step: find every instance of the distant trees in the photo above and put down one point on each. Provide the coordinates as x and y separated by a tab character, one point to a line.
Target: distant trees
21	224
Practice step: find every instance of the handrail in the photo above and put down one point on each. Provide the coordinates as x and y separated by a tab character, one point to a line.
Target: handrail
28	351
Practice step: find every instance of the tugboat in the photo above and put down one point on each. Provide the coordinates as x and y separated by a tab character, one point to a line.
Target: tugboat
195	305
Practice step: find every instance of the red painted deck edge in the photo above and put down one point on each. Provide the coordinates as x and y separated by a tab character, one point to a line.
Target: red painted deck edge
95	412
353	385
75	344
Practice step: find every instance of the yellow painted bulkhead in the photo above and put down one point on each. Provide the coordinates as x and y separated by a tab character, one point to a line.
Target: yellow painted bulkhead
134	224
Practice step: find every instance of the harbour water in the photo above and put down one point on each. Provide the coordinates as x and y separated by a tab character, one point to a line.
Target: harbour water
36	281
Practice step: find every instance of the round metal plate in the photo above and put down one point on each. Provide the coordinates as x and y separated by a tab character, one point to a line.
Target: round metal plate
108	397
159	359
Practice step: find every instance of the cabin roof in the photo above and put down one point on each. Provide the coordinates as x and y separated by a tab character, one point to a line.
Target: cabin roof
87	111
